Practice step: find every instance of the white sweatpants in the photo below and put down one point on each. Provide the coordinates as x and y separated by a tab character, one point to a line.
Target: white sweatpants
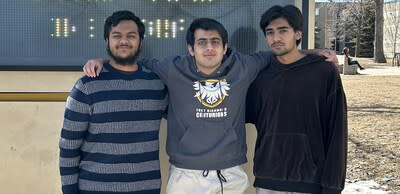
187	181
267	191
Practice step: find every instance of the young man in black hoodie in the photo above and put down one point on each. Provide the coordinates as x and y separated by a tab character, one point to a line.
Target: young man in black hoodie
299	109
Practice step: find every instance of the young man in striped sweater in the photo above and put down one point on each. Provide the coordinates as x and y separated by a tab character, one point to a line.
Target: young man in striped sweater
109	140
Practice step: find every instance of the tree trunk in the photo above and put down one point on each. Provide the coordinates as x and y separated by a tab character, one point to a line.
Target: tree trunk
378	46
357	51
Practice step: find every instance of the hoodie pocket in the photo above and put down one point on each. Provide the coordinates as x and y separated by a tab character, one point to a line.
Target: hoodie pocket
285	157
211	138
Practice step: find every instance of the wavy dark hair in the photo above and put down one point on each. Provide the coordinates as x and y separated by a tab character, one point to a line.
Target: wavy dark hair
206	24
119	16
289	12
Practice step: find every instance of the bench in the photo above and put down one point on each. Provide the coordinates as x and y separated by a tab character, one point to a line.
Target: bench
348	69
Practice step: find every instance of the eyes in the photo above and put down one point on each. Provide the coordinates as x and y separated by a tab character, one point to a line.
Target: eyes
272	32
202	43
120	36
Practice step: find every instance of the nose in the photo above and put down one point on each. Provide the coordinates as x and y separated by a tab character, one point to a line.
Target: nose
123	40
276	37
209	45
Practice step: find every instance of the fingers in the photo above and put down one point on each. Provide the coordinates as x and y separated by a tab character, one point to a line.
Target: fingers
84	70
330	56
326	53
89	69
332	59
93	67
98	70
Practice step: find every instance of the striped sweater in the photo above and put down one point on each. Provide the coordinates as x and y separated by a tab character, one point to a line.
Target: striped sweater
109	139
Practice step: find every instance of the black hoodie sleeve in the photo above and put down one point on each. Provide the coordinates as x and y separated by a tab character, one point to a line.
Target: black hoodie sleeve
251	104
334	171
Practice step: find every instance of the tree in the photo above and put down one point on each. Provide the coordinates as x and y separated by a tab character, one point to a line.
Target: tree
353	25
317	41
378	48
352	18
335	25
357	21
365	34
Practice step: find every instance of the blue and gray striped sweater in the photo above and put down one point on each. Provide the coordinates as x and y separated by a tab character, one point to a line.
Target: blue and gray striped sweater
109	140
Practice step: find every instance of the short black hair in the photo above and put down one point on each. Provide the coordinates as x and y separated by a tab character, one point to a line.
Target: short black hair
119	16
289	12
206	24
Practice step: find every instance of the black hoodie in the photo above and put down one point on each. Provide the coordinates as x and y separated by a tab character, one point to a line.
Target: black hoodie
300	113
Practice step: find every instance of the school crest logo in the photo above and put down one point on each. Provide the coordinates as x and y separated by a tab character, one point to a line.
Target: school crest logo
211	93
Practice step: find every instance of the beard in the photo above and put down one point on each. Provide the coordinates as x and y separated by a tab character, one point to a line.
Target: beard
131	59
280	53
287	48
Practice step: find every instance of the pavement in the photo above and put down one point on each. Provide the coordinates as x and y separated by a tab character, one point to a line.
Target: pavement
380	70
374	69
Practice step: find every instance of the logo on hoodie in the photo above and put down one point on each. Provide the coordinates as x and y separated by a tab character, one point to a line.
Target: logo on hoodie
211	93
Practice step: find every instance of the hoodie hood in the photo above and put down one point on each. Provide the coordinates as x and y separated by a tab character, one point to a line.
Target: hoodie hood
306	60
190	65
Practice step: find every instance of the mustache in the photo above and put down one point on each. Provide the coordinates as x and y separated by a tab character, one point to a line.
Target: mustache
128	46
124	60
277	43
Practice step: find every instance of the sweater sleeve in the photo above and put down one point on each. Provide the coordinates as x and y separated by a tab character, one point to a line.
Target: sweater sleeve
334	171
75	125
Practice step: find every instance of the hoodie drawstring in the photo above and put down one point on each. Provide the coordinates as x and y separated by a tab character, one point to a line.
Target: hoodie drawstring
221	178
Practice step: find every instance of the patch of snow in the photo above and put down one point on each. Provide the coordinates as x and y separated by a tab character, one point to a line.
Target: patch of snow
363	187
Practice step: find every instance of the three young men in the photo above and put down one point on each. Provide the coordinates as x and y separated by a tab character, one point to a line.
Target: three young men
206	133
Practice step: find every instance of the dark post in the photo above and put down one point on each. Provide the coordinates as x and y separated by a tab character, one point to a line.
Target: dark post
305	11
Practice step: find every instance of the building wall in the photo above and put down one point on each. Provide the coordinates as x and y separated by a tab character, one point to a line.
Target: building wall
311	24
391	21
320	23
325	21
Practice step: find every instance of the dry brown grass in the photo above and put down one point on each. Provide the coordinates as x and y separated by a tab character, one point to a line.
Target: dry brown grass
374	128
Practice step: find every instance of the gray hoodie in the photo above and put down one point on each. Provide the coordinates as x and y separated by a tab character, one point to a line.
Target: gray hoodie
206	113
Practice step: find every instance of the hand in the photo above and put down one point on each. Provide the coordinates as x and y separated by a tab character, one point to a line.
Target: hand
330	56
93	67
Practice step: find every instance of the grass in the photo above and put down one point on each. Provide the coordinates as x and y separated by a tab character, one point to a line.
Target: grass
374	127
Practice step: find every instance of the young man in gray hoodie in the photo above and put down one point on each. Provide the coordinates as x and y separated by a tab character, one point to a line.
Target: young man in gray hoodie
206	139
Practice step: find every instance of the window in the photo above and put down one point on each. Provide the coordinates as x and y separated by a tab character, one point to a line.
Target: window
63	34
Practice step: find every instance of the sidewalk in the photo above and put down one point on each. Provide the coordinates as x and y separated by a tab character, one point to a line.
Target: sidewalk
379	70
374	69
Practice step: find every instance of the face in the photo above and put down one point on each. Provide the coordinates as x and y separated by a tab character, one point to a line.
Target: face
281	37
124	42
208	50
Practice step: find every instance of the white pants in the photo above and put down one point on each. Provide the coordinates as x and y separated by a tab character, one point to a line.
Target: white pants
187	181
267	191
